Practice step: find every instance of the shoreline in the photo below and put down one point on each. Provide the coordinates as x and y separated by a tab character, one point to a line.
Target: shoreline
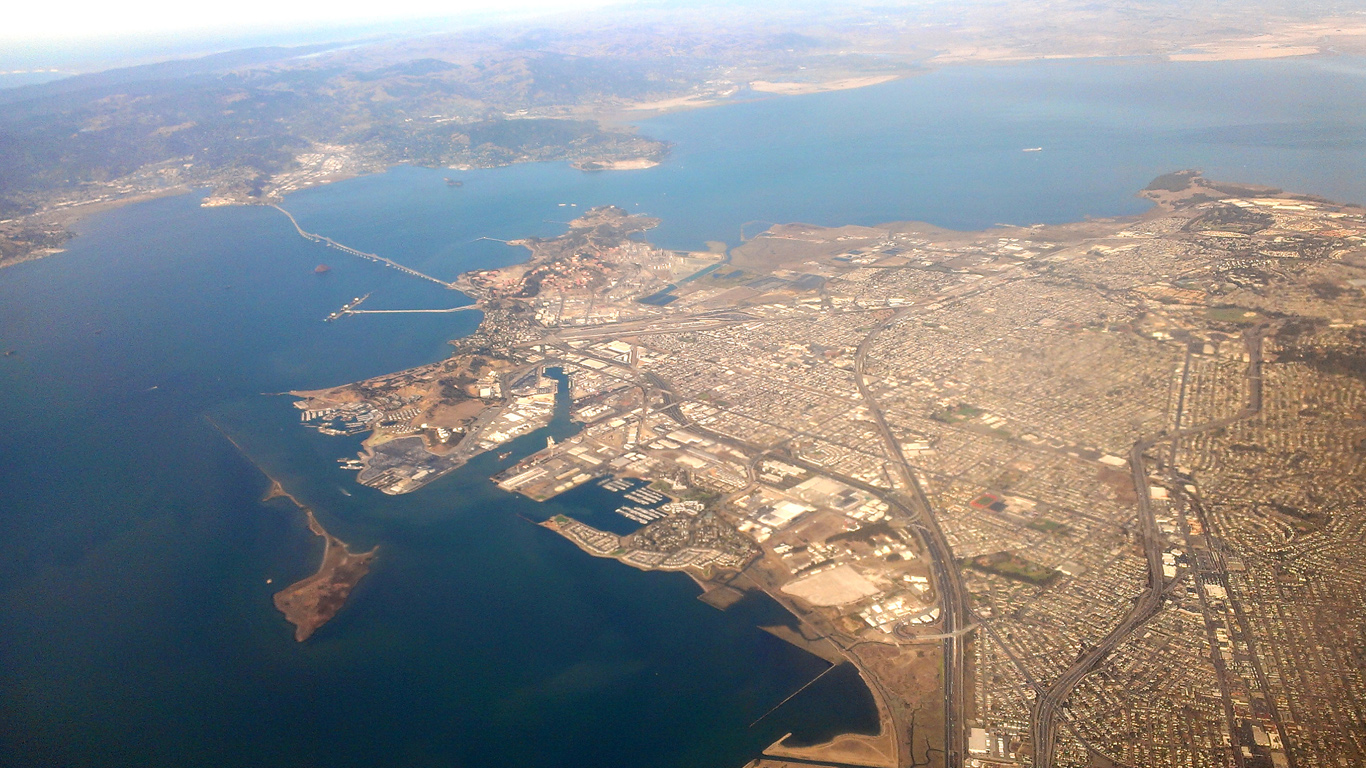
873	750
313	600
631	114
623	115
67	217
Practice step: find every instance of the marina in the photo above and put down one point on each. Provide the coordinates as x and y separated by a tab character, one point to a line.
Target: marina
640	514
645	496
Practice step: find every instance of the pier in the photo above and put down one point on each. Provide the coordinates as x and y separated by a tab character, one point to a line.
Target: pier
346	309
349	308
330	243
408	311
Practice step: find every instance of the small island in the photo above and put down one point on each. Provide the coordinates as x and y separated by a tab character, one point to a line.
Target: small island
313	601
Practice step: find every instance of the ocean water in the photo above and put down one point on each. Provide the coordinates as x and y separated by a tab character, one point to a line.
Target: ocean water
136	626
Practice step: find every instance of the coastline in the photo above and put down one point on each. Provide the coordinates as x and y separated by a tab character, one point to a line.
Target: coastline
291	554
626	114
314	600
311	602
66	217
1292	40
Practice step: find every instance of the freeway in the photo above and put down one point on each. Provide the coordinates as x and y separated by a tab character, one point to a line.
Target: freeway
1043	726
948	581
911	502
947	578
671	408
1045	717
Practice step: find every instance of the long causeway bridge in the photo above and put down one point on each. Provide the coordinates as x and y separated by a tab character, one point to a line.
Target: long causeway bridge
330	243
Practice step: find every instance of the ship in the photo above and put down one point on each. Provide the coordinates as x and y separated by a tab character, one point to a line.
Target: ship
454	182
321	269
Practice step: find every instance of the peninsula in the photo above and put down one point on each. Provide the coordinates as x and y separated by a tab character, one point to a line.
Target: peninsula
1046	487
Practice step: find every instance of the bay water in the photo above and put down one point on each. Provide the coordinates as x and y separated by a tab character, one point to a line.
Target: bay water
136	626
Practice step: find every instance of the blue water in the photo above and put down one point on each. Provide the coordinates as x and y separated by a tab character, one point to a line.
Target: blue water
135	618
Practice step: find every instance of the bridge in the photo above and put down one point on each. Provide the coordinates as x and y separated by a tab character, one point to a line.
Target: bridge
330	243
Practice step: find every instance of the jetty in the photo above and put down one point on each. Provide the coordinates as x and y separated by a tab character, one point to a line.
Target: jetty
346	309
465	308
330	243
349	308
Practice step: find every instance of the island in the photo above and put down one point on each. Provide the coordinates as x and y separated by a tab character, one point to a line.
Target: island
1044	486
311	602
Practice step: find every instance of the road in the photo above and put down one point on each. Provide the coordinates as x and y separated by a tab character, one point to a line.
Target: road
1044	722
1045	716
911	502
948	581
953	640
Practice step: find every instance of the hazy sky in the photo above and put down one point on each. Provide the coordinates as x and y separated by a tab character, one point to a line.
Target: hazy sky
38	21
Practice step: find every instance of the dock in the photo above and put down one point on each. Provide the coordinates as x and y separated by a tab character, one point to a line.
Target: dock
349	308
346	309
465	308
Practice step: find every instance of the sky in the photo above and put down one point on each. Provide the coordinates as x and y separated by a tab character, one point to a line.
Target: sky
34	23
43	40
